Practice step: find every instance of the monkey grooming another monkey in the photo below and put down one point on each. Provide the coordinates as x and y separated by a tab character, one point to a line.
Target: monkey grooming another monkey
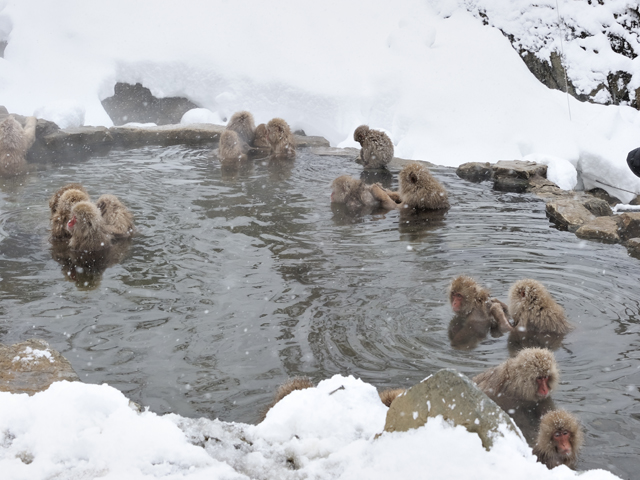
281	139
89	232
261	140
534	310
377	147
232	150
559	439
15	141
243	124
419	190
62	213
529	376
356	194
475	313
294	383
117	218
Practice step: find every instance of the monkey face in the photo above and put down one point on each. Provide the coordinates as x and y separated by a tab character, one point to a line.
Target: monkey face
562	442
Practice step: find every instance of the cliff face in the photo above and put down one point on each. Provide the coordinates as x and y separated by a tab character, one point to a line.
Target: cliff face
594	44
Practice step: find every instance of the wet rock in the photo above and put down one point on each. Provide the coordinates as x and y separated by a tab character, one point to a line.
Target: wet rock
633	245
74	143
629	225
192	134
516	175
568	213
475	171
604	195
135	103
598	206
303	141
545	188
31	367
602	228
457	399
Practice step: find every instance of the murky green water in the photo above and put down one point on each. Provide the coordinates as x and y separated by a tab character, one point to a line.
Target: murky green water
236	282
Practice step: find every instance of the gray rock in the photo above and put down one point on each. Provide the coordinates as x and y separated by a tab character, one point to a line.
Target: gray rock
457	399
604	195
597	206
516	175
193	134
31	367
475	171
568	213
602	228
633	245
304	141
630	225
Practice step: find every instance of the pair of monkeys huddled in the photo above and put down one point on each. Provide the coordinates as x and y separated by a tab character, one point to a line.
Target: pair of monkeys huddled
241	134
15	141
86	226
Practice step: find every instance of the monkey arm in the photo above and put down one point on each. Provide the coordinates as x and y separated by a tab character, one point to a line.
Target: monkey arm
381	195
499	312
395	196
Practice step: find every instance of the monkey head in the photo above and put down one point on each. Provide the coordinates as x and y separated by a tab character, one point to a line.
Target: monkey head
536	374
341	187
465	295
360	133
559	439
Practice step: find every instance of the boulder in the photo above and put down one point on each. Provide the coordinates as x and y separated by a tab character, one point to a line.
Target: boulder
516	175
192	134
75	143
31	367
457	399
633	245
568	213
630	225
604	195
602	228
475	171
597	206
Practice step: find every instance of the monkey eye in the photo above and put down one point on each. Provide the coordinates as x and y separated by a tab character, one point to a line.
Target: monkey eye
543	377
557	434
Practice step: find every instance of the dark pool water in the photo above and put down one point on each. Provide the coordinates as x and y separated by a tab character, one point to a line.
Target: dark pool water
238	280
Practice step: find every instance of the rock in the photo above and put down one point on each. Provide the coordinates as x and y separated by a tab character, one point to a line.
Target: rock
310	141
602	228
597	206
75	143
475	171
545	188
568	213
457	399
510	184
135	103
192	134
3	110
630	225
635	201
31	367
633	245
604	195
516	175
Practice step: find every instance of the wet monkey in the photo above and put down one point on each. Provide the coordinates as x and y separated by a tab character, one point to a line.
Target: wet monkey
377	147
559	439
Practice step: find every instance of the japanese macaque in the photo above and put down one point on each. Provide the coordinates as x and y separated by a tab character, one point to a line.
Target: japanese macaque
534	310
88	229
419	190
243	124
261	140
61	210
232	150
55	198
389	395
280	138
559	439
117	218
294	383
530	376
15	141
475	313
356	194
377	147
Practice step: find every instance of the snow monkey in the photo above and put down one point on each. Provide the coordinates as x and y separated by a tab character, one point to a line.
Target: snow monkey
419	190
242	123
117	218
294	383
475	313
261	140
61	204
559	439
280	138
15	141
89	231
529	376
389	395
356	194
377	147
533	309
232	150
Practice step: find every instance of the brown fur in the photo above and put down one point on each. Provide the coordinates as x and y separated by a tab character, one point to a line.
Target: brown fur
545	448
280	138
377	147
53	201
62	213
356	194
294	383
117	218
232	149
90	232
516	377
389	395
533	308
15	141
474	296
243	124
419	190
261	140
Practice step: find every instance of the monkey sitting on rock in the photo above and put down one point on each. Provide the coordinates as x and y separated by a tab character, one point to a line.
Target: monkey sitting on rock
15	141
377	147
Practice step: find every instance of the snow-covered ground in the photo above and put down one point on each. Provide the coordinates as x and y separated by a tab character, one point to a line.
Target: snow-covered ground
448	90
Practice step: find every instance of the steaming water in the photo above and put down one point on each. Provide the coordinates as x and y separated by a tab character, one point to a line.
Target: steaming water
236	282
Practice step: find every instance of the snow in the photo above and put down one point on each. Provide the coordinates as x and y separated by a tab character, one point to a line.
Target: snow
81	431
447	89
